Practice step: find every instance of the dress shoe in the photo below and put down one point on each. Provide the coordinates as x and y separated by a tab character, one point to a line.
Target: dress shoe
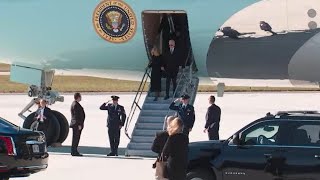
111	154
76	154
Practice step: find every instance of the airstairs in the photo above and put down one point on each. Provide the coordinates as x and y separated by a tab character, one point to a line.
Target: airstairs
152	114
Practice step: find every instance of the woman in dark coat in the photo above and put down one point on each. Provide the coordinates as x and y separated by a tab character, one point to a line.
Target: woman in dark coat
176	151
156	65
161	139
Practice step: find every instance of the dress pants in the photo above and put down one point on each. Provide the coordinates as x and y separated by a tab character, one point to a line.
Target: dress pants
213	133
114	138
76	133
171	77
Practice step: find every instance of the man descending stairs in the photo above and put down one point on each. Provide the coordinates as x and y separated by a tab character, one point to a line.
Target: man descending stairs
153	113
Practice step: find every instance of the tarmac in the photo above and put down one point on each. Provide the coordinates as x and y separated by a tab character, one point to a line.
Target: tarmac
238	109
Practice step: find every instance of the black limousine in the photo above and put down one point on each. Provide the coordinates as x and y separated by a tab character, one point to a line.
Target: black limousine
22	151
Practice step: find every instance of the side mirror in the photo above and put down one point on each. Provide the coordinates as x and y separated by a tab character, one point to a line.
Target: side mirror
236	139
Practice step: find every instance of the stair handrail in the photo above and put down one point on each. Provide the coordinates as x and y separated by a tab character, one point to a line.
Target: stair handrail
183	75
137	98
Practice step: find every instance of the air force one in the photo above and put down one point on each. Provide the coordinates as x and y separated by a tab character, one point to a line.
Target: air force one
230	41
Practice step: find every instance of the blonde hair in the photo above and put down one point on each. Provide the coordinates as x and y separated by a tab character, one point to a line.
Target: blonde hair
168	120
175	126
155	51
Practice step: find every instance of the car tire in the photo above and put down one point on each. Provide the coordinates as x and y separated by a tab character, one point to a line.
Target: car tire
50	127
64	126
200	174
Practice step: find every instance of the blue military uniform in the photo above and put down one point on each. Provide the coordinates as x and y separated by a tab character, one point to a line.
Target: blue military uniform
116	119
185	113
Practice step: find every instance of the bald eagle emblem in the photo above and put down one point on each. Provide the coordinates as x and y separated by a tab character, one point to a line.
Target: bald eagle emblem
114	21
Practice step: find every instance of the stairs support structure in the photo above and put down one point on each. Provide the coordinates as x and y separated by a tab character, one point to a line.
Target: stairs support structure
153	113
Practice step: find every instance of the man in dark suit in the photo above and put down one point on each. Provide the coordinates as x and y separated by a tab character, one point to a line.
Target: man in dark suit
185	112
116	120
171	67
43	111
77	122
213	120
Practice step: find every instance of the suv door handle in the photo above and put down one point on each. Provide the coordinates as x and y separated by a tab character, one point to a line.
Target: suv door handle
317	156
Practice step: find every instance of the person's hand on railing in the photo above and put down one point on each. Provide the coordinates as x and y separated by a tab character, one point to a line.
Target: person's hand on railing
162	68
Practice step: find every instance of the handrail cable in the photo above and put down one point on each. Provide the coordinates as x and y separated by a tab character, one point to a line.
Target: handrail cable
136	100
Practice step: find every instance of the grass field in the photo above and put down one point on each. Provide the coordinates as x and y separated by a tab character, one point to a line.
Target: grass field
4	67
93	84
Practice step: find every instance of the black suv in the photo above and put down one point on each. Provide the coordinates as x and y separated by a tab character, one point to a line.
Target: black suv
22	151
282	146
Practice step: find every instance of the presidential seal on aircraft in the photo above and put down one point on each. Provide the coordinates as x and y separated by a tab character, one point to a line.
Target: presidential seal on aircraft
114	21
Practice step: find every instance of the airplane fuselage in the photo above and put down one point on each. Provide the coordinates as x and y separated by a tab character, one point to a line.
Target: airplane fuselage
62	35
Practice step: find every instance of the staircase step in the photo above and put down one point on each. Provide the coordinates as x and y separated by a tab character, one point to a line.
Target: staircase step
140	146
143	132
142	139
141	153
156	106
151	119
157	113
151	126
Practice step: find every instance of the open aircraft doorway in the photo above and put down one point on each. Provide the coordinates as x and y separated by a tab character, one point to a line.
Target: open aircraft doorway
161	26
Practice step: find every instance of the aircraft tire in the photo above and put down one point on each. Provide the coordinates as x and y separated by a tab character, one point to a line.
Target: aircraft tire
64	126
50	127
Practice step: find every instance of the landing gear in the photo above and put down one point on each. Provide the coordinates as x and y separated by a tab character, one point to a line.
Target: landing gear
55	126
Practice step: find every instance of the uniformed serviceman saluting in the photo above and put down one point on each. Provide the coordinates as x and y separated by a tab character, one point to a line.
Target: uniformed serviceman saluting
115	121
185	112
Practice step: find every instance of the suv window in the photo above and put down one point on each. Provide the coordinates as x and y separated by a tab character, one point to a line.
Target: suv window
304	133
263	133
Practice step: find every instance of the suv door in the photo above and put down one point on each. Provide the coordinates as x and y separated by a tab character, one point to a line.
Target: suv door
254	159
302	152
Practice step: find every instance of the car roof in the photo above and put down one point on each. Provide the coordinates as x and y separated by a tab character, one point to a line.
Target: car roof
294	115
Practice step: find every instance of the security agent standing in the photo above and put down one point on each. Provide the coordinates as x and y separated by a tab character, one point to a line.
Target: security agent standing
185	112
77	122
213	120
116	119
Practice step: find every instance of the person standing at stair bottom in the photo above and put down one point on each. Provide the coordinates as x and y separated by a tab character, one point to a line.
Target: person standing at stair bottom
115	121
157	65
212	120
77	121
171	67
185	112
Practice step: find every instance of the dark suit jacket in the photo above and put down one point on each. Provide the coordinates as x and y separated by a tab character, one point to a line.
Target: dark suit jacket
47	113
77	114
116	117
187	114
213	117
172	61
159	142
176	151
